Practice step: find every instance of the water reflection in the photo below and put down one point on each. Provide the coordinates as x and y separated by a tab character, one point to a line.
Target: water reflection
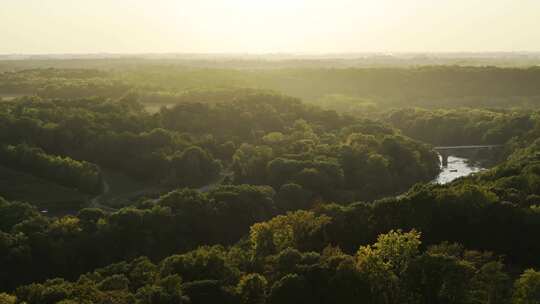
457	167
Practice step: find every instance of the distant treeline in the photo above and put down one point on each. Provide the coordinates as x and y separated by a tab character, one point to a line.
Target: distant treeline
429	86
462	126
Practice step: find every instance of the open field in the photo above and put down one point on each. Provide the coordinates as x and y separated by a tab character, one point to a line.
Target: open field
15	185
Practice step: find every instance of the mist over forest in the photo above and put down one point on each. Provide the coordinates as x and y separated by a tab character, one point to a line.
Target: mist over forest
269	152
281	180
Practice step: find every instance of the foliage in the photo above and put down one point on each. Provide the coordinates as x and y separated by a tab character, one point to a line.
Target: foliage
64	170
393	270
288	202
527	288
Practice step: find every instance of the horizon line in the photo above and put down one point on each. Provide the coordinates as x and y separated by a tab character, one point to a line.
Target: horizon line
255	54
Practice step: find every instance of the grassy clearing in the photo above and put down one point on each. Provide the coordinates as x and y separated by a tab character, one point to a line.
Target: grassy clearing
122	190
16	185
9	97
155	107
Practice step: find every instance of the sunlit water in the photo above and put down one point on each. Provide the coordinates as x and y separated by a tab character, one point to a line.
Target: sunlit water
457	167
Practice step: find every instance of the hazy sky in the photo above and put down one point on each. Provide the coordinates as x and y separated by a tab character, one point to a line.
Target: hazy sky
255	26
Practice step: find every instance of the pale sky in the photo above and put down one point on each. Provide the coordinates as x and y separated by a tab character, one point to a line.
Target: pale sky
256	26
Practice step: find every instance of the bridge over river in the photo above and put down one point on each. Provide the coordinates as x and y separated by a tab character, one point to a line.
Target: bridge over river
446	151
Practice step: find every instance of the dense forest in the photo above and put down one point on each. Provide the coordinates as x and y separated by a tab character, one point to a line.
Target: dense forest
353	88
132	182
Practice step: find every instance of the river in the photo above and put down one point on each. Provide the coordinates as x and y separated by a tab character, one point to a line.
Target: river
457	167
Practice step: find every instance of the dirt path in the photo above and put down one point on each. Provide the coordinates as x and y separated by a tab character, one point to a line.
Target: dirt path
96	201
107	194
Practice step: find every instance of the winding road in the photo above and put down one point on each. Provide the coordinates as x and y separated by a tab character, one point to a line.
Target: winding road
96	201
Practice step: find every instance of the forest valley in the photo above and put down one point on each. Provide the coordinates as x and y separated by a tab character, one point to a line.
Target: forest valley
155	183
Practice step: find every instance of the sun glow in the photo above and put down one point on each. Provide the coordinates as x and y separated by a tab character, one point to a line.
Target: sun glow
267	25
